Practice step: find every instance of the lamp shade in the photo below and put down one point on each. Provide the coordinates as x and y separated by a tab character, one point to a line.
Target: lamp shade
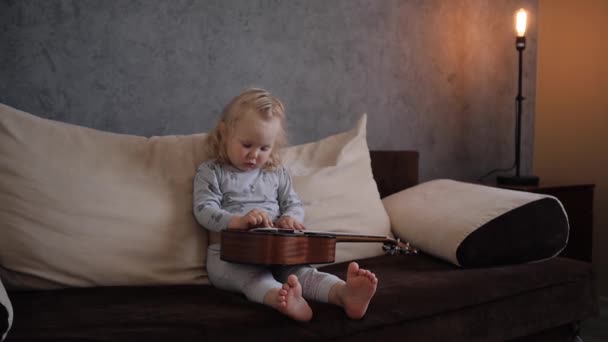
520	22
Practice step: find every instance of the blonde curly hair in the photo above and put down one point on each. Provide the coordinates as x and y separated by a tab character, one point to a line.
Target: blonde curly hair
254	100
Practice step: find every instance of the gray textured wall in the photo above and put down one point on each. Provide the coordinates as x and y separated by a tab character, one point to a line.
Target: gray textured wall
436	76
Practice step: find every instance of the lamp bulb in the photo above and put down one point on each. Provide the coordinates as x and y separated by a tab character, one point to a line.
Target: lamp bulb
520	25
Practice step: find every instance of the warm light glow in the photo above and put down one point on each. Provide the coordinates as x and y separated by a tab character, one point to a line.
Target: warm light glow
521	22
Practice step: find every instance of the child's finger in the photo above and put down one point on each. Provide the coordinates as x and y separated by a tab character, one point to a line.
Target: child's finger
267	220
255	219
288	224
294	225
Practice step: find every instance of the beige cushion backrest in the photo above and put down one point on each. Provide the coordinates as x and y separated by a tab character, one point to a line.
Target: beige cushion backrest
334	179
81	207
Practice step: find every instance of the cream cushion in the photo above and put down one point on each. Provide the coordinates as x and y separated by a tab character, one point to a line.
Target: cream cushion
473	225
81	207
334	180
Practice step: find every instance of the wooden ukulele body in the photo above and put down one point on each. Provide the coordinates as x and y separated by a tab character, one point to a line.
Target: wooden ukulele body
285	247
276	248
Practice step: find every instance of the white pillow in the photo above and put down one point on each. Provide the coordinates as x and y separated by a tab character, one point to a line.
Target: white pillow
334	180
5	306
81	207
473	225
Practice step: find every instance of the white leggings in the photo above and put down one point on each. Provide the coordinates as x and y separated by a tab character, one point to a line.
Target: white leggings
255	281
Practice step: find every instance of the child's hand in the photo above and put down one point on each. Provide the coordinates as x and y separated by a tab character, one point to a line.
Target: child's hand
289	223
253	219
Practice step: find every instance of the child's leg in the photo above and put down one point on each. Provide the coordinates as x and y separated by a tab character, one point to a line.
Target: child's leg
258	285
315	285
253	281
289	300
353	295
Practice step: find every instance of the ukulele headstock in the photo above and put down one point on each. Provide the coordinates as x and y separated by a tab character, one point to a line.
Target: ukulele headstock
397	247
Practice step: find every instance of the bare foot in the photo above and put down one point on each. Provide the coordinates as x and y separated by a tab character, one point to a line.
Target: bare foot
360	288
289	301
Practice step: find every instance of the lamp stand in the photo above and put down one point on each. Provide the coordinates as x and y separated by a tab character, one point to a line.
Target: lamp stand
520	45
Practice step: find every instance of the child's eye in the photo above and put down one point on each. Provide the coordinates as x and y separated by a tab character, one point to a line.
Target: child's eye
245	145
265	148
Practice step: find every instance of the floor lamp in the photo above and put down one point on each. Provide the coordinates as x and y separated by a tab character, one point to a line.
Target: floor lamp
520	45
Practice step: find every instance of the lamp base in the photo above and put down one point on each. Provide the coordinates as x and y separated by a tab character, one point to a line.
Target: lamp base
517	180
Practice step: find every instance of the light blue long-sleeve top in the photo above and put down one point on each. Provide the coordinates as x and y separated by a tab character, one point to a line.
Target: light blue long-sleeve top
222	192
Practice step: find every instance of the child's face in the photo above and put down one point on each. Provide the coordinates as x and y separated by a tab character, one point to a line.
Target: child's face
251	141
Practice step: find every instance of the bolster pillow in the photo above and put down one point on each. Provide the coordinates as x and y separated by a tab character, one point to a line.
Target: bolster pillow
6	313
473	225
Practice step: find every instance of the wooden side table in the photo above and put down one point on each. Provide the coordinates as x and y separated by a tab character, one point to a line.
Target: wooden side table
578	203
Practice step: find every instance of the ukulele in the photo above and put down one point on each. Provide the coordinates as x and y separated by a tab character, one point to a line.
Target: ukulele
275	246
